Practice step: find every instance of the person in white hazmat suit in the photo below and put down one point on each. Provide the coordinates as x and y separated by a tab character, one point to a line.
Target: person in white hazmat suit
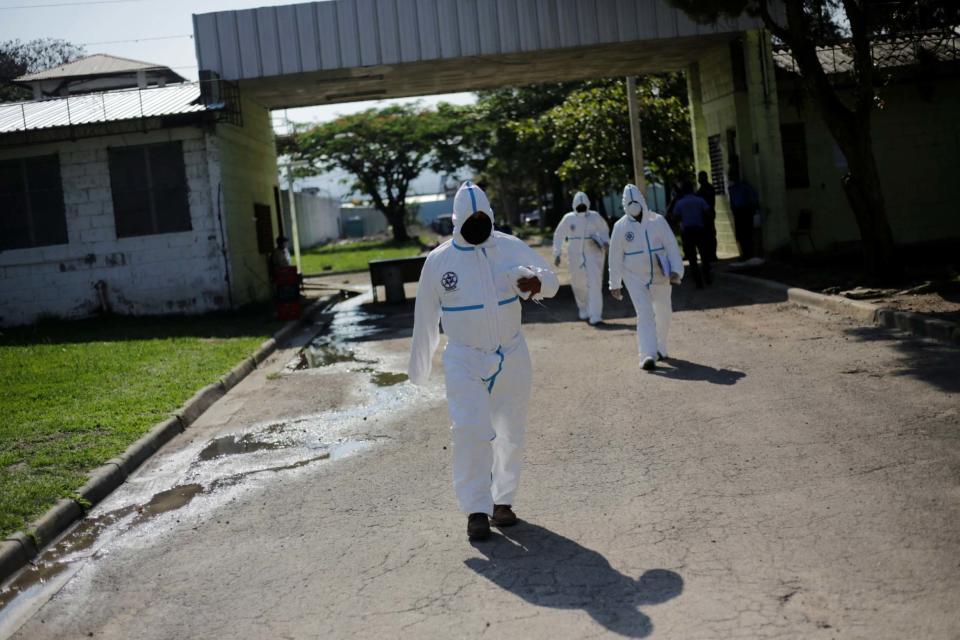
644	255
473	284
587	235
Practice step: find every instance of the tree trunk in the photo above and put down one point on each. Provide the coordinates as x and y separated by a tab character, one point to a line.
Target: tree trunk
398	224
864	193
861	184
850	129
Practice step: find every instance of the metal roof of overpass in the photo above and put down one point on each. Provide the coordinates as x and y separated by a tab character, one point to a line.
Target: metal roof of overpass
346	50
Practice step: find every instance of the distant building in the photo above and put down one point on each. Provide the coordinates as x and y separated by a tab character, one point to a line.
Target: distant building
318	217
124	187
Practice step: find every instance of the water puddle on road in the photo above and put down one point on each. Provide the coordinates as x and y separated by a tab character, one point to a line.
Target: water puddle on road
233	444
194	482
54	567
348	324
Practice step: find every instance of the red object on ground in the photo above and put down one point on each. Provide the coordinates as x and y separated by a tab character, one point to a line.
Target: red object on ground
285	276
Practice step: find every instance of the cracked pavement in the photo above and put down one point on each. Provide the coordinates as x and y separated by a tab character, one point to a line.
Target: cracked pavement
790	475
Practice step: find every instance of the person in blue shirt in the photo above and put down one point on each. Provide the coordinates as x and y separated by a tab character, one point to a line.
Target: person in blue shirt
694	214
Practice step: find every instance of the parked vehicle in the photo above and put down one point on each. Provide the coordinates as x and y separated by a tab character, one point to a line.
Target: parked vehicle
530	218
443	224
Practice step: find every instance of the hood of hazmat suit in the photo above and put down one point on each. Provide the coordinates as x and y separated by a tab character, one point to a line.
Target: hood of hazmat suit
472	290
580	198
468	200
634	204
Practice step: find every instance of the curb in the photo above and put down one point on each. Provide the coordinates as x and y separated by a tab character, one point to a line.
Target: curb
21	548
866	312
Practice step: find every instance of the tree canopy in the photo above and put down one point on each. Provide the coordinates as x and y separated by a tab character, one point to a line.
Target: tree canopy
384	150
529	146
18	58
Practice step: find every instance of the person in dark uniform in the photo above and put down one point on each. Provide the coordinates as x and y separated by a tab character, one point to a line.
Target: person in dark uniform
692	211
744	203
709	195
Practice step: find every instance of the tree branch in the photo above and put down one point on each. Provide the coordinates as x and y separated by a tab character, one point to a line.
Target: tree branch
772	25
863	57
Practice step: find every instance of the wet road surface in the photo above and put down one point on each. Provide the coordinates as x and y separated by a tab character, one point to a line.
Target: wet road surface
788	474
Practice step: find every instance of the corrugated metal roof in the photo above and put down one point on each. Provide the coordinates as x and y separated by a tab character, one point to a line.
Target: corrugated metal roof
897	52
344	34
92	65
108	106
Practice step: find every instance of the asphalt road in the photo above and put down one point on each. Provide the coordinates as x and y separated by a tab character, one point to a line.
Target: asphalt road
788	475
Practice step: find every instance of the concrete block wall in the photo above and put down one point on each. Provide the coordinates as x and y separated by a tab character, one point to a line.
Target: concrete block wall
713	111
716	107
154	274
246	159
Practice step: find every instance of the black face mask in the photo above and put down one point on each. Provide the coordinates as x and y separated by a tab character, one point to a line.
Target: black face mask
581	208
476	229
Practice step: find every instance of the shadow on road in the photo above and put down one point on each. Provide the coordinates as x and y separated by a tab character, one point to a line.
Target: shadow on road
684	370
548	570
936	363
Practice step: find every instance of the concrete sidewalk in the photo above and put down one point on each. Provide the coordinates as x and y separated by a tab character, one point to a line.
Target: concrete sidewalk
789	475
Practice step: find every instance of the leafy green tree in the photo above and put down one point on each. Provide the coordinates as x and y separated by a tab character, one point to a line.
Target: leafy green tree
18	58
384	150
804	25
514	169
593	127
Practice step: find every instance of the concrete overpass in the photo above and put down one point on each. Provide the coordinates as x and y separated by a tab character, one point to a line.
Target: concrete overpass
346	50
349	50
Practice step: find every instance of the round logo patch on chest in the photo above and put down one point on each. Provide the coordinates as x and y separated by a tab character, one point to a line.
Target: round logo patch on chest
630	236
573	227
449	280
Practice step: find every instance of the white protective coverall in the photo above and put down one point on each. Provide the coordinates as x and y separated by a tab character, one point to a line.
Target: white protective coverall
472	292
588	235
643	254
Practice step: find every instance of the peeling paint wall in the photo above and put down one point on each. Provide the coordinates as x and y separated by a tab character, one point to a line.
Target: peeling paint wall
179	272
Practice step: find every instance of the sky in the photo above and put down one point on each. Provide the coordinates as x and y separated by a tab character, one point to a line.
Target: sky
161	31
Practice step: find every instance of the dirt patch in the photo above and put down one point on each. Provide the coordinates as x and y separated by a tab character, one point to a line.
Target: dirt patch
933	290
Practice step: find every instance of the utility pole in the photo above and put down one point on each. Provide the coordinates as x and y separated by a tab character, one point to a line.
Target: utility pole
294	228
635	142
293	218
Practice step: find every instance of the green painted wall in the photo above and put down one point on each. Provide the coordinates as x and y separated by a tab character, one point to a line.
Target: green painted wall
247	162
917	144
750	112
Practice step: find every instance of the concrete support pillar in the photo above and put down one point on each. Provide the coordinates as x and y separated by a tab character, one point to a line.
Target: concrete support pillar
635	141
763	160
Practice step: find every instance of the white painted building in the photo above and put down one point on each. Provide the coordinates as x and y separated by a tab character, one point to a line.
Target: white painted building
318	217
139	201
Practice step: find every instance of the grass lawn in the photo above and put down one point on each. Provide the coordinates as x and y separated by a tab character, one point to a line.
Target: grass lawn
75	394
353	256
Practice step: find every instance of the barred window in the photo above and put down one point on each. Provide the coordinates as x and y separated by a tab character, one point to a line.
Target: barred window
716	164
31	203
149	185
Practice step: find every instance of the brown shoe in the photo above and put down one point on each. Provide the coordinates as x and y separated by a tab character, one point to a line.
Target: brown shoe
503	516
478	526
